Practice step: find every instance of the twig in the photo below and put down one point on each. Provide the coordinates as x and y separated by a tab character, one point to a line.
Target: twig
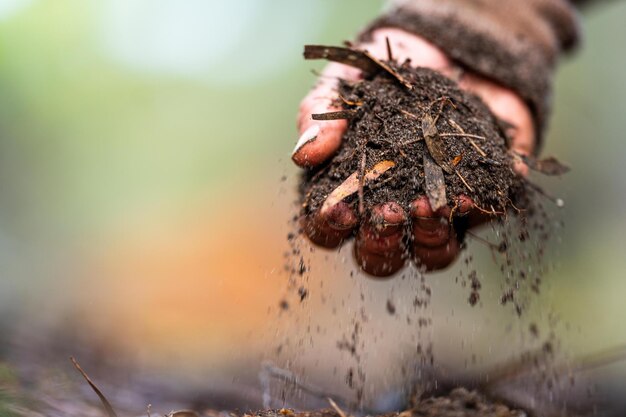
105	403
351	184
334	115
469	137
335	407
362	182
493	212
390	71
458	174
463	135
411	115
389	54
349	102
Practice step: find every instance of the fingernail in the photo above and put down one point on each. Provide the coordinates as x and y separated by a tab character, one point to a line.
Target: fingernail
309	135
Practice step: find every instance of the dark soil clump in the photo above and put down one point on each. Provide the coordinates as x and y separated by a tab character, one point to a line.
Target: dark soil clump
431	131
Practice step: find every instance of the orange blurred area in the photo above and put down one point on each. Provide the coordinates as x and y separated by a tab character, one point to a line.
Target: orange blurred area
199	282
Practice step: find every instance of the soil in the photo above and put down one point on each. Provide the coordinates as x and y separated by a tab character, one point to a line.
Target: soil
434	121
458	403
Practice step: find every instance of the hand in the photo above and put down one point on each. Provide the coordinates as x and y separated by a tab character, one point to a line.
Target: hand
380	247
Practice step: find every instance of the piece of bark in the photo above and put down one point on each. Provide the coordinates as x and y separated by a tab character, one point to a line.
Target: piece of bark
334	115
347	56
435	183
362	60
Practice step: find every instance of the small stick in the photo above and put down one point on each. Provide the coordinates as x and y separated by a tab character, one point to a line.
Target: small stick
411	115
478	149
464	135
390	71
351	184
493	212
335	407
469	137
334	115
362	182
411	142
389	54
464	181
350	103
105	403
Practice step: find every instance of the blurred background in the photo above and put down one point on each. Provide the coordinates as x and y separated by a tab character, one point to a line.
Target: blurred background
146	191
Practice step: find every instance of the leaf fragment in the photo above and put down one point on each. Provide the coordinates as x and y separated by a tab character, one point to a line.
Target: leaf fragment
351	184
435	183
434	143
547	166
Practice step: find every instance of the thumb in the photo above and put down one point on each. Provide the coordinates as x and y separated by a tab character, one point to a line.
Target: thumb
319	140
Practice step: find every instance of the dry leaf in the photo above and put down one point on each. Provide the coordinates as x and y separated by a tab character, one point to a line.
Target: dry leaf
433	143
351	184
435	184
547	166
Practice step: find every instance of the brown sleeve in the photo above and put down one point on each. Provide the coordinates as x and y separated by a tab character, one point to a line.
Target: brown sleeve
514	42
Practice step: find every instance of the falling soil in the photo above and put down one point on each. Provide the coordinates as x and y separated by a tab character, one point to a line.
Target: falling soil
438	140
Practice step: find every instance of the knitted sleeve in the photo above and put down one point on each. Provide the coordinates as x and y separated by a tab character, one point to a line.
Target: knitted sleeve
516	43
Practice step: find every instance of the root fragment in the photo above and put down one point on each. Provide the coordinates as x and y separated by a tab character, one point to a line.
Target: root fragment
469	187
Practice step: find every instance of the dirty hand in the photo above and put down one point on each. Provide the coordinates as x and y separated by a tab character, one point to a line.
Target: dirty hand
381	247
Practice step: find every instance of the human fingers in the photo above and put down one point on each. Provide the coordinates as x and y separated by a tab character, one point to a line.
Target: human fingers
379	246
328	229
510	107
319	140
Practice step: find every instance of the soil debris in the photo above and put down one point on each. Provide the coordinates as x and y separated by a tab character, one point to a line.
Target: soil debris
433	139
460	402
